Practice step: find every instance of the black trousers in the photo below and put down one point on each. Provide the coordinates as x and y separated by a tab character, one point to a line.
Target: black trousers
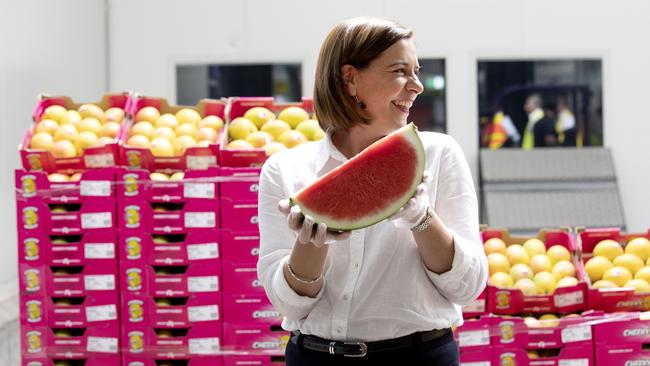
438	352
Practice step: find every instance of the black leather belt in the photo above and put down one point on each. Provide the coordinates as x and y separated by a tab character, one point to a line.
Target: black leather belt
360	349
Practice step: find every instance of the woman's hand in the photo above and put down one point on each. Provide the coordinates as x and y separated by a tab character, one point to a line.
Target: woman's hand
416	208
308	231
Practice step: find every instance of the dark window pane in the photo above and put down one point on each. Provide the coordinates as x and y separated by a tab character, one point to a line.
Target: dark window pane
429	110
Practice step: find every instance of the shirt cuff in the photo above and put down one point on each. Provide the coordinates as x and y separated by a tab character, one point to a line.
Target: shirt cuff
457	266
287	295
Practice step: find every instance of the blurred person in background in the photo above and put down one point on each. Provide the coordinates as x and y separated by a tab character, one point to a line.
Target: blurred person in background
565	124
500	132
540	129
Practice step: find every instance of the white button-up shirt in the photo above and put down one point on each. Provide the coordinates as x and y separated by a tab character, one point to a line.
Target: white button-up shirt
376	285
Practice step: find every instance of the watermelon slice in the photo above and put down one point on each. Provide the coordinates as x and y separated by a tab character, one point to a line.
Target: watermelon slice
369	187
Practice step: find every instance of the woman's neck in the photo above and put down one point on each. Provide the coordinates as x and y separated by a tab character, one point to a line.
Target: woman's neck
359	137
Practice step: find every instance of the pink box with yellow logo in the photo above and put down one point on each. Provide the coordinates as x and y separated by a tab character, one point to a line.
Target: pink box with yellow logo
249	308
241	277
71	343
178	343
239	183
138	247
239	215
92	360
196	157
196	184
178	312
90	158
193	360
89	311
171	281
88	185
253	360
94	247
563	300
75	281
66	219
168	218
611	299
238	106
239	246
255	338
569	355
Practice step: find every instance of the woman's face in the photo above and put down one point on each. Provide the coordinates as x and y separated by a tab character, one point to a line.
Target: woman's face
389	85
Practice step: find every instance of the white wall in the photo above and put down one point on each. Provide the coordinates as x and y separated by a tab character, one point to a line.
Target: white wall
45	46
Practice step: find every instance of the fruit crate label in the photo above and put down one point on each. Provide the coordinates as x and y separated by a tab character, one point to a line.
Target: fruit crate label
200	162
102	344
99	282
200	219
95	188
96	220
568	299
204	346
101	313
574	362
198	190
203	313
202	251
478	306
474	338
203	284
99	160
479	363
576	333
99	251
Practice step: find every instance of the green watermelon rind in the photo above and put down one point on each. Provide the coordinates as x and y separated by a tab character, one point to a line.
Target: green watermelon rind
410	133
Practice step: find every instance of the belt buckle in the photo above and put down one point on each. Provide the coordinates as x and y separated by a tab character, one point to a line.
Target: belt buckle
363	349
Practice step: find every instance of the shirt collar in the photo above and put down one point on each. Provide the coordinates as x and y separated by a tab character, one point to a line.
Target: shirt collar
328	151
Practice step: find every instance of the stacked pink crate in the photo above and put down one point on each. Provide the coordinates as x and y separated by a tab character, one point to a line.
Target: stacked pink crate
622	340
170	268
251	324
68	268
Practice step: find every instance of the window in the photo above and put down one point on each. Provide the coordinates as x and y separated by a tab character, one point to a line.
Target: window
429	112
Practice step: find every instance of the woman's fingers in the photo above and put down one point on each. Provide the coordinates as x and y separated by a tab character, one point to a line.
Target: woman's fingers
295	218
284	206
320	235
305	234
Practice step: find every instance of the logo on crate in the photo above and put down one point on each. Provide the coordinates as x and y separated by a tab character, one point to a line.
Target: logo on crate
34	161
636	332
133	247
256	283
30	217
31	249
130	184
134	279
28	182
135	311
254	187
507	331
637	363
254	220
136	342
646	302
32	283
137	363
266	314
34	363
284	340
133	158
503	299
33	311
132	216
34	342
266	345
507	359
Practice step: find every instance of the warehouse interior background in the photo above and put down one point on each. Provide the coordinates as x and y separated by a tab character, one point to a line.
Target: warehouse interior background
84	48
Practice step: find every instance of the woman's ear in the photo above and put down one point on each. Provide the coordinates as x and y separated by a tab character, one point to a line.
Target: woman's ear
348	72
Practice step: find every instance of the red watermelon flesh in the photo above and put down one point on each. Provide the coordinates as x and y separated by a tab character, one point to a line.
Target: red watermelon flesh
369	187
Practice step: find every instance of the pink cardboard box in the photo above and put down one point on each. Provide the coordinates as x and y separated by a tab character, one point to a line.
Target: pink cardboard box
202	340
570	355
69	219
631	354
474	333
93	310
564	300
94	157
176	219
171	281
36	186
92	360
193	158
239	106
67	281
622	328
184	312
611	300
477	308
249	308
94	247
70	343
239	183
139	247
258	339
193	360
241	247
196	184
476	356
253	360
239	215
241	277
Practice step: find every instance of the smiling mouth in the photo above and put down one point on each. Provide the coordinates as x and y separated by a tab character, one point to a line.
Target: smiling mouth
402	105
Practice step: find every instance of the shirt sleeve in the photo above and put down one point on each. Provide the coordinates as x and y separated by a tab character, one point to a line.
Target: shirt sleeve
276	241
456	206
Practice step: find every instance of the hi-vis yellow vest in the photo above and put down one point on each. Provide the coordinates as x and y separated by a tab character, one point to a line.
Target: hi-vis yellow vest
495	135
529	139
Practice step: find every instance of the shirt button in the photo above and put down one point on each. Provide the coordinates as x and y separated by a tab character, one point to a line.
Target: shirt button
345	297
339	330
356	265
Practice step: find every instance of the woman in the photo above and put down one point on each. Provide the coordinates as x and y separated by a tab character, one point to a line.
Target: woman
389	292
